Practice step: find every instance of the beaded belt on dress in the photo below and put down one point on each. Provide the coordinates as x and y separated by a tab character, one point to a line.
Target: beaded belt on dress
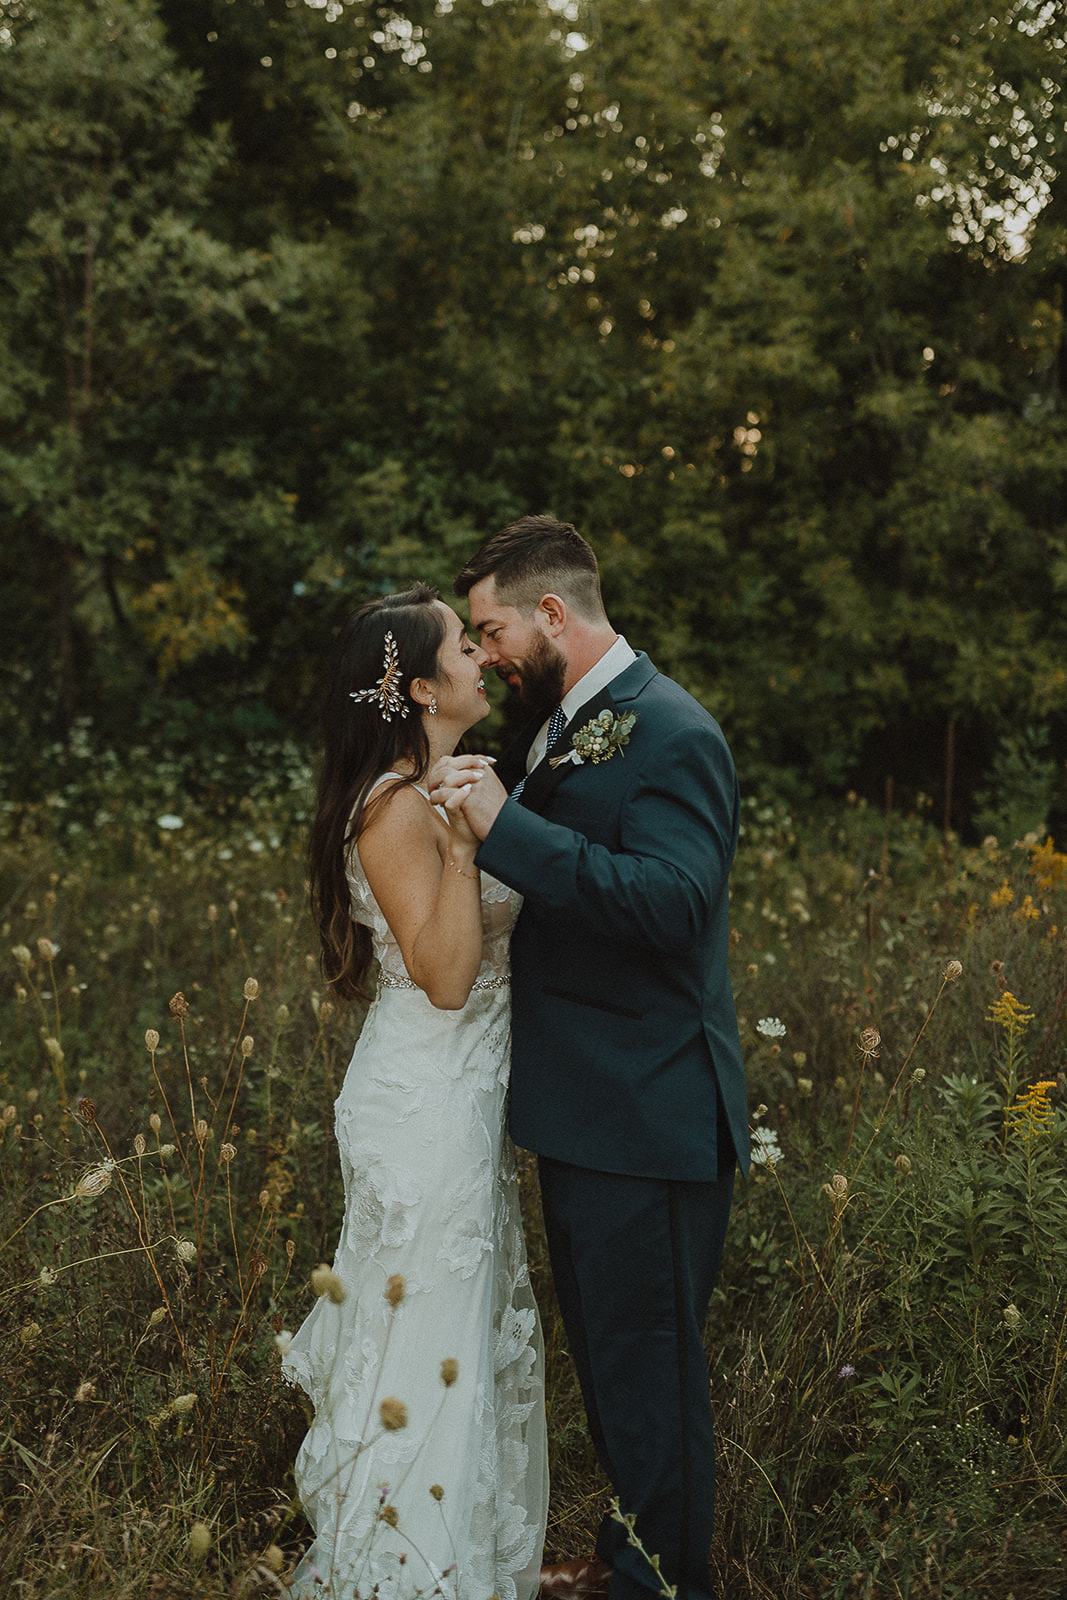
388	980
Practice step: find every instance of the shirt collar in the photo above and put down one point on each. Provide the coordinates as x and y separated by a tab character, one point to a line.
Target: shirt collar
612	662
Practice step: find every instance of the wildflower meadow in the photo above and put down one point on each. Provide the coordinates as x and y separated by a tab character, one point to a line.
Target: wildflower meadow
887	1346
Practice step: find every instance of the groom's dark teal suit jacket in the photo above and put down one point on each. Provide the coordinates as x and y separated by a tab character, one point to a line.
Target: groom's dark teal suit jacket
625	1049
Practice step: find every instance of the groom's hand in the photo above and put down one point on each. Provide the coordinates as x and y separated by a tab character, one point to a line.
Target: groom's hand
487	794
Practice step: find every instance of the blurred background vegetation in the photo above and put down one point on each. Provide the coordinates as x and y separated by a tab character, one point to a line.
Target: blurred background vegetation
301	298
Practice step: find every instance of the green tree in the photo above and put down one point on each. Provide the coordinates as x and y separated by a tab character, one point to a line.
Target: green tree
146	511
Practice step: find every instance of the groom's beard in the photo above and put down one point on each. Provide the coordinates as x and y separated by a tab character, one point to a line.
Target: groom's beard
541	676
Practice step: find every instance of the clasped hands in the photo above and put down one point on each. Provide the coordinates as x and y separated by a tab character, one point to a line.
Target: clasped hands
474	778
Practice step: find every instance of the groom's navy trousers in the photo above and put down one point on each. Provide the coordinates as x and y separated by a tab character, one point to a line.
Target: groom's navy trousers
635	1332
627	1080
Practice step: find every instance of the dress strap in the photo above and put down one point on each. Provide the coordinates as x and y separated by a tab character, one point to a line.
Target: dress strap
417	786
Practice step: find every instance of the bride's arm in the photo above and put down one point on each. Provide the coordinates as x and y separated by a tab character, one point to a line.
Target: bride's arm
431	901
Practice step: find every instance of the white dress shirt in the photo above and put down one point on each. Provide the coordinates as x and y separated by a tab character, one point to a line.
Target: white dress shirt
612	662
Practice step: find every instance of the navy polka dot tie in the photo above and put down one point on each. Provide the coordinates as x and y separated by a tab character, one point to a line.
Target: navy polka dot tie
556	724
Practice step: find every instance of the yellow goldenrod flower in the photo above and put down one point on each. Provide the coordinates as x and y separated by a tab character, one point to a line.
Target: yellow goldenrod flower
1032	1114
1002	896
1047	865
1009	1013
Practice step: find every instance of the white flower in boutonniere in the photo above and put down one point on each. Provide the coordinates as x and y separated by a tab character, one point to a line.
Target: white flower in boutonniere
598	740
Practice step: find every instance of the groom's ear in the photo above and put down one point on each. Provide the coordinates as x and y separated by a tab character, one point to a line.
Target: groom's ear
553	613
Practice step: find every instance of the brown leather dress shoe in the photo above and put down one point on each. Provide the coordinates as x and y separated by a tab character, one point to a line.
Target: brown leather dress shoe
588	1578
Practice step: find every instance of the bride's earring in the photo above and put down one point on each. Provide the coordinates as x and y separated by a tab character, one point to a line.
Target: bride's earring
432	707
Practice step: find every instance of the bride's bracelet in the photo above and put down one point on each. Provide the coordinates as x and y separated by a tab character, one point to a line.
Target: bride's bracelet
474	876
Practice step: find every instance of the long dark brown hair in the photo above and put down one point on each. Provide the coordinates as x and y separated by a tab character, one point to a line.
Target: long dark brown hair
359	745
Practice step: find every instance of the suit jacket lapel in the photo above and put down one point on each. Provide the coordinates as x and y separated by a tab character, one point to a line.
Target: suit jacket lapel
544	777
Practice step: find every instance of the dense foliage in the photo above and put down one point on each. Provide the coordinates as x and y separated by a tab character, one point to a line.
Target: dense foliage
302	297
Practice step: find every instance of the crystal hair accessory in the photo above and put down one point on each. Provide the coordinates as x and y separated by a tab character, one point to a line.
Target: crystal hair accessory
387	690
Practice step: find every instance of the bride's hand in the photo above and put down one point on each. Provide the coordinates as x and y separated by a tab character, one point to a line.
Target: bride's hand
471	778
462	838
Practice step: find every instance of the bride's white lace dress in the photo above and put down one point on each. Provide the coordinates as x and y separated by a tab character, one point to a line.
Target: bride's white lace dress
455	1500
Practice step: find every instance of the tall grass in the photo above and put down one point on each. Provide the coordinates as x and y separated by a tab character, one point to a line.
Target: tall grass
888	1343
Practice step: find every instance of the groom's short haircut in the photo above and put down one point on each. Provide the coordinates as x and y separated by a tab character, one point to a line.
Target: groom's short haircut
534	557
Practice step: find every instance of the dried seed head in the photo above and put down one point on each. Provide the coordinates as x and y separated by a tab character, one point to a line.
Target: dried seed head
183	1402
201	1130
21	995
804	1088
394	1290
394	1413
902	1165
1012	1317
227	1152
84	1391
251	989
155	1122
449	1371
870	1039
166	1149
437	1491
92	1183
179	1005
10	1114
390	1515
290	1248
47	950
54	1049
212	913
283	1340
953	971
140	1144
157	1316
87	1109
29	1332
264	1197
282	1015
839	1183
185	1250
248	1044
22	956
151	1038
325	1281
274	1557
258	1264
46	1277
199	1540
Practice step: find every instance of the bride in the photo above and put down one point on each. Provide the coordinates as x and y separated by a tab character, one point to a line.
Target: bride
424	1470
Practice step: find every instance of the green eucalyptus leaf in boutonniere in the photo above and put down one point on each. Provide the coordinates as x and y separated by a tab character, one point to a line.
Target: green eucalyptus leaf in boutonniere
598	740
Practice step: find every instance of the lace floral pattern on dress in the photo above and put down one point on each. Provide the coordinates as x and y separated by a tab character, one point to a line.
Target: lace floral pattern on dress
456	1499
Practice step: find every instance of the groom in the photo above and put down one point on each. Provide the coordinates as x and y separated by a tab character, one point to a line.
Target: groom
626	1071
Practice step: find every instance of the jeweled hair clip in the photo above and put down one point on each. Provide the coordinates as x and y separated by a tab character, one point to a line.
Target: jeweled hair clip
387	690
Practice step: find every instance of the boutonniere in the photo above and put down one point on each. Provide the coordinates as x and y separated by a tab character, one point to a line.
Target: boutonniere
598	740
